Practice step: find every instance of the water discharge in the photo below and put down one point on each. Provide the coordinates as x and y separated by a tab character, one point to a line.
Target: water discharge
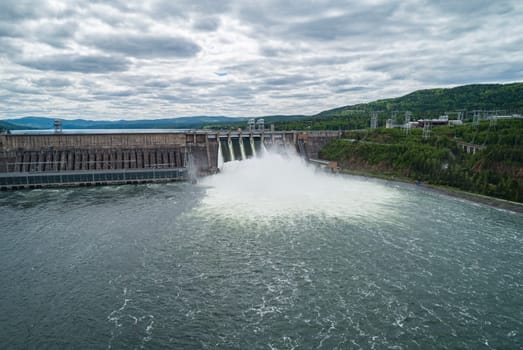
231	150
242	150
283	184
253	147
220	156
264	149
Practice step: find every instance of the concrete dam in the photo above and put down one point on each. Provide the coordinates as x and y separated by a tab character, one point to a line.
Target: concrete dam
85	159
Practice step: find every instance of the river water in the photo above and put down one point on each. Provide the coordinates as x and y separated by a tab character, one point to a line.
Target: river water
268	254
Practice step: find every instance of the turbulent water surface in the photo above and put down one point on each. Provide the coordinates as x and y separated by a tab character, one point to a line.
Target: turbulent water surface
269	254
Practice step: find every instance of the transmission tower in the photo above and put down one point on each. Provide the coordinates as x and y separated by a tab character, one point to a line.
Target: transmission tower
374	120
426	130
476	116
406	128
393	117
406	125
493	120
57	126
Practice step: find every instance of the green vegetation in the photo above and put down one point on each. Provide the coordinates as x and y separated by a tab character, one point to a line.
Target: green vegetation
432	102
496	170
506	98
429	103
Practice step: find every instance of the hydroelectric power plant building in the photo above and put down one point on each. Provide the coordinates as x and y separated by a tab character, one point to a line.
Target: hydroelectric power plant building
98	158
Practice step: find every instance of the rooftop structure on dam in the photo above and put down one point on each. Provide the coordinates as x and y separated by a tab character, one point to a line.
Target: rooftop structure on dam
101	157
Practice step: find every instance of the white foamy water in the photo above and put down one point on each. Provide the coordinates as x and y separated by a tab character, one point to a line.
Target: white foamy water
285	185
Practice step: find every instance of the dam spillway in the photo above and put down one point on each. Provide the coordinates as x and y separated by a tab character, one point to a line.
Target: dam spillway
71	159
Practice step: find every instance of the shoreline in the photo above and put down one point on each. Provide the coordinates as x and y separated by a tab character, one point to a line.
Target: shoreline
449	191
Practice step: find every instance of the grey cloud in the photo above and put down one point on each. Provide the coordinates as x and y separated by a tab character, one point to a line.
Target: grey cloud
207	24
354	24
277	13
462	28
9	31
146	46
331	60
251	67
111	94
350	89
20	9
170	98
82	64
9	47
385	65
75	97
121	5
272	19
127	16
182	8
194	83
236	91
53	82
446	73
276	51
180	98
15	11
286	80
340	82
19	86
271	51
56	34
301	96
160	84
328	29
471	7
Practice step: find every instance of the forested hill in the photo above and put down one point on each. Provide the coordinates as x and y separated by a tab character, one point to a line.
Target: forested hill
508	97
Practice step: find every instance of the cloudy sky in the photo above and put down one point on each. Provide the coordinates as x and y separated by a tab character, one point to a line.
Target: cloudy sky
150	59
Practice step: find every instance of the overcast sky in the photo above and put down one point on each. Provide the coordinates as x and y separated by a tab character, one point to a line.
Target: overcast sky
152	59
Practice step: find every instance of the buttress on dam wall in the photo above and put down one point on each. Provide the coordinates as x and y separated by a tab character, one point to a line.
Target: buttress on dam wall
62	159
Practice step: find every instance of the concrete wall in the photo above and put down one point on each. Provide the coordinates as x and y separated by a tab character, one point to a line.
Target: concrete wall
98	152
312	142
87	141
91	159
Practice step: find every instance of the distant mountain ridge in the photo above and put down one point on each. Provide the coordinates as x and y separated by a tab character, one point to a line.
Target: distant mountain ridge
167	123
5	125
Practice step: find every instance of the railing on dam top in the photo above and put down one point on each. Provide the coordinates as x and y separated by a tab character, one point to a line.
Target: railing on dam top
266	134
